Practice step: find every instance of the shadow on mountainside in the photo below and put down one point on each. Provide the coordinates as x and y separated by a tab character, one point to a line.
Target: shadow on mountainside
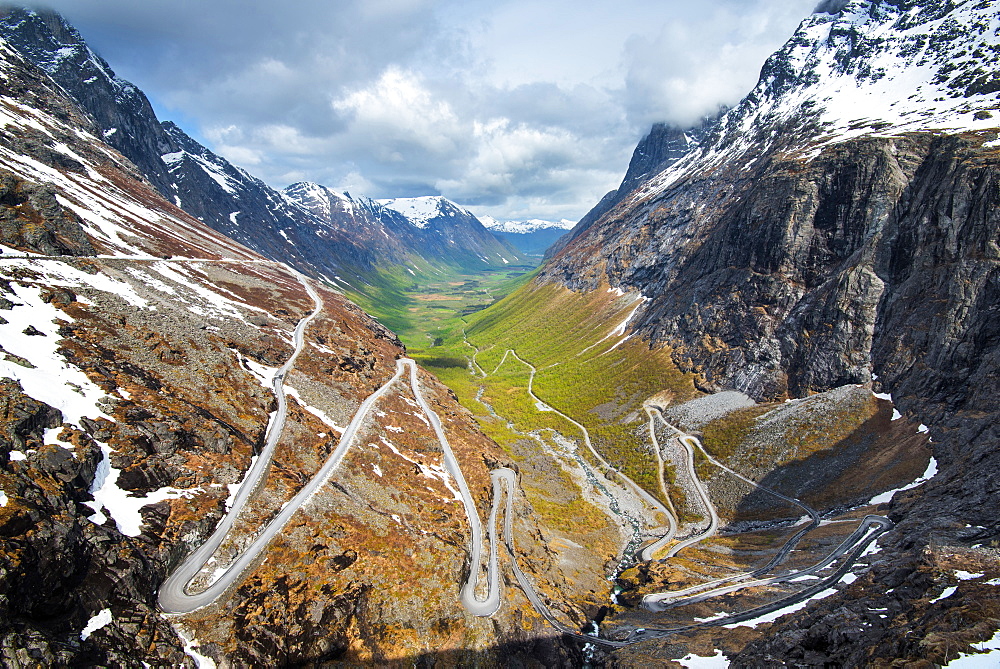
880	455
540	652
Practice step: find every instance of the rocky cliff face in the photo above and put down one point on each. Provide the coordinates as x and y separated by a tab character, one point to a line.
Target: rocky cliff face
841	228
121	111
777	254
138	349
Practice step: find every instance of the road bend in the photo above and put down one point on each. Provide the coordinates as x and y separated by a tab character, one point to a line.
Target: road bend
636	489
173	596
692	442
869	529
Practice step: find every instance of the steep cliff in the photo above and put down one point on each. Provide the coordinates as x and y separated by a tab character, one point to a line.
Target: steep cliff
841	227
780	255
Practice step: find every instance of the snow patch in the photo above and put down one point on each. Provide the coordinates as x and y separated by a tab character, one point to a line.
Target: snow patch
32	333
190	643
123	508
102	619
430	471
948	592
926	476
692	661
313	410
966	575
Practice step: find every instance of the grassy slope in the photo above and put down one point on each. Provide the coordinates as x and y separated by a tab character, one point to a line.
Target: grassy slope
581	371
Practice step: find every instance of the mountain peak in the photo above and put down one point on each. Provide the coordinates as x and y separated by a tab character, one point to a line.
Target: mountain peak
868	68
866	65
526	226
420	211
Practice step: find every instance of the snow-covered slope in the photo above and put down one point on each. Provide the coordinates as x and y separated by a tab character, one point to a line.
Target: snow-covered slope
864	68
345	240
525	227
420	211
911	65
121	111
83	192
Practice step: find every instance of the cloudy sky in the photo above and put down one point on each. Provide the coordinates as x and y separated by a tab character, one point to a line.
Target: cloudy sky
514	108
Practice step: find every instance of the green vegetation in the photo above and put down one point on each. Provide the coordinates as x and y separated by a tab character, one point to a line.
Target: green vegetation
424	304
596	379
584	370
722	437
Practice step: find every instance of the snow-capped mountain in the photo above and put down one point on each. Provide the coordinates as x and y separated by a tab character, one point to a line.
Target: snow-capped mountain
420	211
344	245
430	230
863	68
532	237
119	109
525	227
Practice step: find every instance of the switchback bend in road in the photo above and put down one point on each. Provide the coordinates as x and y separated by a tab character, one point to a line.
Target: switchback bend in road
174	596
850	549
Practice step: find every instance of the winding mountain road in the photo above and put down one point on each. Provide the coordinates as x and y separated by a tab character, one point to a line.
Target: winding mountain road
174	596
849	550
690	442
655	504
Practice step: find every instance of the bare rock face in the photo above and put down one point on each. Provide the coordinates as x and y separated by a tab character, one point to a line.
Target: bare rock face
34	220
794	284
118	108
811	244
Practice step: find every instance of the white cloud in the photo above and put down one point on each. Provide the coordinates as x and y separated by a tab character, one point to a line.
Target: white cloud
516	103
398	109
688	68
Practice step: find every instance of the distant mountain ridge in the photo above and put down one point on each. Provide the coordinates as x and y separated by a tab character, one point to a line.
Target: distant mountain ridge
525	227
532	237
429	229
231	200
